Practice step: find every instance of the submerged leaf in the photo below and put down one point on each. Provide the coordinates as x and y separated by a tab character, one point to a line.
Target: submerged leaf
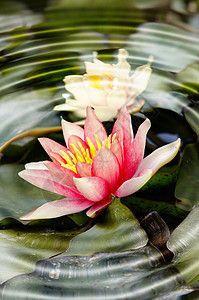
137	274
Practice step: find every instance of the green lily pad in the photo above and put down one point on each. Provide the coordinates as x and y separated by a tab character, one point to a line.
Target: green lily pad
31	109
187	183
192	116
16	195
184	243
116	229
189	75
170	54
142	206
22	246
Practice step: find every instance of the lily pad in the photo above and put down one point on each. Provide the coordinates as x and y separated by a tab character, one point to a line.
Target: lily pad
16	195
192	116
20	112
116	229
22	246
173	48
187	183
184	243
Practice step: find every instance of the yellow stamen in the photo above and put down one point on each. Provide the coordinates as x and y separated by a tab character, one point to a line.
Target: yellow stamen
113	138
107	142
95	81
88	157
98	142
78	154
82	149
85	155
92	148
72	168
73	157
66	157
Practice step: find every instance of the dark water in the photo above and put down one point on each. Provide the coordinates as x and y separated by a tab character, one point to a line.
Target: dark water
41	42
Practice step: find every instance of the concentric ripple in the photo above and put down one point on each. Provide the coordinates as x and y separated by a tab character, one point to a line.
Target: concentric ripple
40	44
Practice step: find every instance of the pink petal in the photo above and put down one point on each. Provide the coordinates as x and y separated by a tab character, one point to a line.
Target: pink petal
160	157
47	181
106	166
135	153
116	148
97	208
57	158
94	127
51	147
64	175
83	169
134	184
123	127
71	129
57	208
92	188
74	140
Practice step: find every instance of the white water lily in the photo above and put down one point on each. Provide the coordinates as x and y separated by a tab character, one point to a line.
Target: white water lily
107	88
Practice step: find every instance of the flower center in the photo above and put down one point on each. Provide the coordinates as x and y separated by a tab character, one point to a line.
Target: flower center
98	82
83	154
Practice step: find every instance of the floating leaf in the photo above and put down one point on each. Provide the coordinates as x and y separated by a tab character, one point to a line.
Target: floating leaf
16	195
117	229
172	47
20	112
184	243
187	184
192	116
22	246
189	75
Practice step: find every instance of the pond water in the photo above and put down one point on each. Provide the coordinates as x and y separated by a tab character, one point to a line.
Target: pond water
41	43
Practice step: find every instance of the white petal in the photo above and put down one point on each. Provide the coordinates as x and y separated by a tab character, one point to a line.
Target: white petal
134	184
96	97
122	68
57	208
140	78
36	166
160	157
71	129
75	85
117	98
105	113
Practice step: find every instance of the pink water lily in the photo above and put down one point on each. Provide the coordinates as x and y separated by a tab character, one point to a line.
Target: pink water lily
107	88
94	166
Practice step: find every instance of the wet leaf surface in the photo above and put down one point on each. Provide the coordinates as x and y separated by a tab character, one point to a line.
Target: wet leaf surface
117	229
188	176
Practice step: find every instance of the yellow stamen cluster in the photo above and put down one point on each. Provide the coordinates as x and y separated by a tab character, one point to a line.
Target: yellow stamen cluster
85	155
95	81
